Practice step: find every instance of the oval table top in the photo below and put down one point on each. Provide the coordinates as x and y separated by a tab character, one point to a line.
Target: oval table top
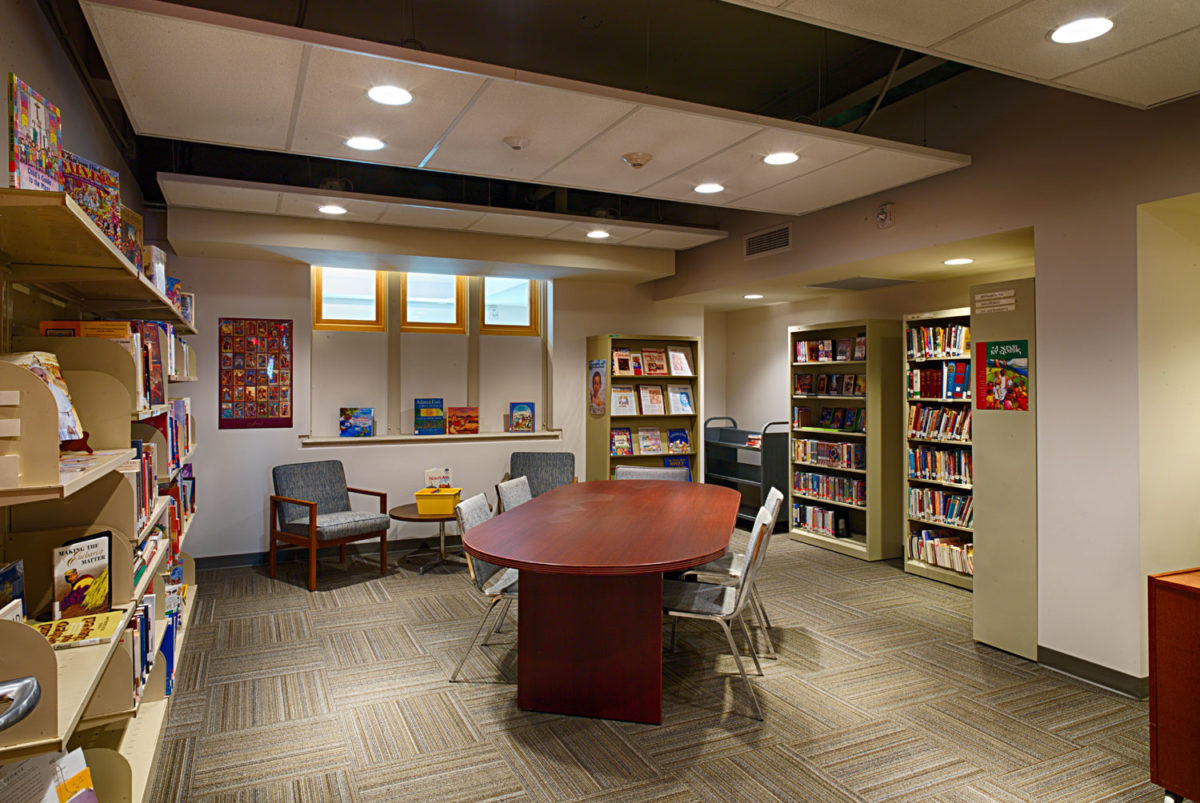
611	527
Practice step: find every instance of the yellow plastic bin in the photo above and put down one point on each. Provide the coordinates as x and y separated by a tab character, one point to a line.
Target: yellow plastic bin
438	501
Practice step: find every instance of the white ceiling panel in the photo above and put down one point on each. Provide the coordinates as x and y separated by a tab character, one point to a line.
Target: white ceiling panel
922	22
675	139
428	217
297	205
869	172
1139	75
517	225
676	240
554	121
334	106
216	196
172	85
617	234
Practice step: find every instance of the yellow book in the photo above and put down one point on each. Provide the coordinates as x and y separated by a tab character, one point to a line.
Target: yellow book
80	631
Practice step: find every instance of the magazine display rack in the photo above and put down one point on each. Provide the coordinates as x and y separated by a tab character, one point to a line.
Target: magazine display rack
870	527
600	461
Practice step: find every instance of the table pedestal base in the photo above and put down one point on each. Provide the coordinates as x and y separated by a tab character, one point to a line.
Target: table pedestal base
591	645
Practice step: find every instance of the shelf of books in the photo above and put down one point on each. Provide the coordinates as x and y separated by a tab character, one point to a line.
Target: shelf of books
845	495
643	403
938	467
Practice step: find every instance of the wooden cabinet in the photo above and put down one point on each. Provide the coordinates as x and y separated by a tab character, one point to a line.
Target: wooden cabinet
1174	605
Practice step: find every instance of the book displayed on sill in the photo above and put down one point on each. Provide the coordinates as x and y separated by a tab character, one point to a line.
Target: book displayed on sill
679	461
680	399
624	402
81	576
680	360
429	417
654	362
81	631
651	397
34	139
439	478
621	363
356	422
649	440
520	417
462	420
678	441
620	442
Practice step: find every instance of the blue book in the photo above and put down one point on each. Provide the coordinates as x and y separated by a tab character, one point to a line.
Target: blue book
12	584
520	417
429	417
679	461
356	422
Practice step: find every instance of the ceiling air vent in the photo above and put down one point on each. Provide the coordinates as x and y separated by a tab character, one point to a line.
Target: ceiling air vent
771	241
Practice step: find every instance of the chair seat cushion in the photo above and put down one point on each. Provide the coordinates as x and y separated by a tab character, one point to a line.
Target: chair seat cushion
345	524
728	565
704	599
502	582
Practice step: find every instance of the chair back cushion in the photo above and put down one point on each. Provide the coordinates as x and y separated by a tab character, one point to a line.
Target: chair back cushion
472	512
513	492
756	552
322	481
544	470
773	501
675	473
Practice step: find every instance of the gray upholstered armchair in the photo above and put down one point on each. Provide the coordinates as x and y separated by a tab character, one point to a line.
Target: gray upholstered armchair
311	509
544	470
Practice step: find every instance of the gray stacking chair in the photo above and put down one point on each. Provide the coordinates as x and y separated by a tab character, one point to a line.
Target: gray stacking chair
544	470
676	473
728	568
513	492
723	604
497	583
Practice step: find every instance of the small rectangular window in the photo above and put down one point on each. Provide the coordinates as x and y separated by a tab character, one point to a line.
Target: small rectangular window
349	300
434	303
509	307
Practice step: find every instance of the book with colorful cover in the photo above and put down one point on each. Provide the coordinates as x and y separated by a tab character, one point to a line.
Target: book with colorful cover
679	461
679	358
439	478
156	384
649	440
804	383
860	385
635	362
621	363
80	576
44	366
356	422
429	416
678	441
860	347
624	402
620	442
822	386
680	399
844	347
34	139
97	190
80	631
651	397
654	362
462	420
131	236
520	416
12	585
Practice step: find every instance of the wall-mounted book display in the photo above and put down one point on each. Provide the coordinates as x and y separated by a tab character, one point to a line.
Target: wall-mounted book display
255	387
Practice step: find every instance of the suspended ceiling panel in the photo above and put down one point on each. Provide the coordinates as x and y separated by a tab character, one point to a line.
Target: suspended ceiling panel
192	74
1151	56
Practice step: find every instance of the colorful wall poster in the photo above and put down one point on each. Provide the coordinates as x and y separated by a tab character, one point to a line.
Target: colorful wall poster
1002	375
34	139
597	377
256	373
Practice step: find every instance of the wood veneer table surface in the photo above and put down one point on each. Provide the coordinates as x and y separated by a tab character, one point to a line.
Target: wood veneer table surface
611	527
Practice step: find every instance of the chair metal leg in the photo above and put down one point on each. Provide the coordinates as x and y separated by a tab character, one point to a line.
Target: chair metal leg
737	657
750	644
761	616
499	619
482	623
383	564
754	595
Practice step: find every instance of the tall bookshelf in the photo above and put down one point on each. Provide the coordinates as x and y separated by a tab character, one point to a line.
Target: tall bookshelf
600	461
89	698
938	464
845	494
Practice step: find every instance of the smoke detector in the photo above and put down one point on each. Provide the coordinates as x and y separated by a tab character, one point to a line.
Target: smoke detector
517	143
637	159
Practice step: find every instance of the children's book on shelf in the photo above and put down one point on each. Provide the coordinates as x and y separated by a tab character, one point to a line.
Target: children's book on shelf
824	351
801	417
356	422
822	386
429	416
826	417
651	397
679	461
462	420
835	384
860	347
624	402
12	585
131	236
439	478
44	366
635	362
81	576
680	360
520	417
860	385
34	139
678	441
96	189
836	420
81	631
680	399
620	442
844	349
804	384
622	366
654	362
649	440
156	384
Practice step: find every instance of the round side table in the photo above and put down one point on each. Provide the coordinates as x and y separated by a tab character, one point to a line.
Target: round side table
409	513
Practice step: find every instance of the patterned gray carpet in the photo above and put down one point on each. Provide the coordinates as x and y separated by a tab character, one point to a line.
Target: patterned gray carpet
879	694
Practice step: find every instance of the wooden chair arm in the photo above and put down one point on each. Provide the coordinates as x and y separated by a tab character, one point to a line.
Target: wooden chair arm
382	497
310	505
312	511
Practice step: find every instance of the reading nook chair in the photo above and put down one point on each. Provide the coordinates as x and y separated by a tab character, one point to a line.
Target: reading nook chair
544	470
311	509
511	493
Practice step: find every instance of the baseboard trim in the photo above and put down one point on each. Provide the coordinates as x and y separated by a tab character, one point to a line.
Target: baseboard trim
368	549
1129	685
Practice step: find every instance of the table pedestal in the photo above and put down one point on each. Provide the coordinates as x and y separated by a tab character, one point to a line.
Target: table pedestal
591	645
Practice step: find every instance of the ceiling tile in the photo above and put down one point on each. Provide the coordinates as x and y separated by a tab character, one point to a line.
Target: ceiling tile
206	69
209	196
296	204
577	232
676	139
518	225
1140	75
676	240
869	172
334	106
741	170
429	217
921	22
554	121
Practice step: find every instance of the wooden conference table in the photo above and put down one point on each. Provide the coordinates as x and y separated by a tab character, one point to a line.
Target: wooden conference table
592	556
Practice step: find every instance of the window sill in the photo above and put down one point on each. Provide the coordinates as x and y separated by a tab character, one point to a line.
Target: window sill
334	440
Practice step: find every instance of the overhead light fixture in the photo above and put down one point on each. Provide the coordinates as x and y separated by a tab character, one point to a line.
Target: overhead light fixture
364	143
752	296
598	234
781	158
331	209
958	261
709	187
1081	30
389	95
637	159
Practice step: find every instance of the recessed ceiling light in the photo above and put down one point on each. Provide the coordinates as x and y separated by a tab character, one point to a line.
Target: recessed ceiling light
389	95
598	234
781	158
958	261
331	209
708	188
364	143
752	296
1081	30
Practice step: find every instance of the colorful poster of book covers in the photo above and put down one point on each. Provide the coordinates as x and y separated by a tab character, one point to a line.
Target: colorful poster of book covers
255	385
1002	375
34	139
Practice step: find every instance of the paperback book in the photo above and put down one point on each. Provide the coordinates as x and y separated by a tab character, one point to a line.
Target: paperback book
680	399
654	362
651	397
624	402
520	417
81	579
679	461
34	139
620	442
635	362
429	417
44	366
804	384
621	363
97	190
843	350
356	422
80	631
649	440
678	441
860	347
680	359
462	420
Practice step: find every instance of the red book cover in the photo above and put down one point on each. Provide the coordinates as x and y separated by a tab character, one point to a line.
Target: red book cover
156	387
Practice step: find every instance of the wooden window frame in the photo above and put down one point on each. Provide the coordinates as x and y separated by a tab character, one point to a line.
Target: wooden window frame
459	327
321	323
533	329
